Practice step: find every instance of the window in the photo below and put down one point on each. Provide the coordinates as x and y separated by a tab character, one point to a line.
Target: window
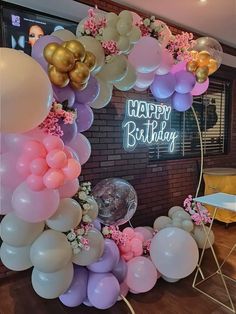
212	112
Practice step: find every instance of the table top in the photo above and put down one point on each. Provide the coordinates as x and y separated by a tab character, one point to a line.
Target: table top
220	171
219	200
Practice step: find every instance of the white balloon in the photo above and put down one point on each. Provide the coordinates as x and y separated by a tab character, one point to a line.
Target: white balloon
174	209
114	70
183	215
64	34
161	222
93	210
135	34
52	285
104	96
126	15
123	26
123	43
177	222
169	279
174	253
15	258
200	236
128	81
80	27
110	33
187	225
112	19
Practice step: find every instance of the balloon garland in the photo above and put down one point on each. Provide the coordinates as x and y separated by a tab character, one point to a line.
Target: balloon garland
51	221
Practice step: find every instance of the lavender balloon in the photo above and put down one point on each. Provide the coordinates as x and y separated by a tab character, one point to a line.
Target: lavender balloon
69	131
185	82
90	93
103	290
108	260
163	86
38	47
76	294
65	93
120	270
182	102
84	117
97	224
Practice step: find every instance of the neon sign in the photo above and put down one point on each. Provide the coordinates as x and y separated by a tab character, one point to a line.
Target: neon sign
147	123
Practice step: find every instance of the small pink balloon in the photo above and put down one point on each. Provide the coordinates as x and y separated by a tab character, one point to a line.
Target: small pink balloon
68	152
72	170
69	188
15	142
126	247
129	232
80	144
199	89
53	142
56	159
34	206
38	166
53	178
139	235
147	234
136	247
178	67
128	256
34	149
36	134
35	183
23	165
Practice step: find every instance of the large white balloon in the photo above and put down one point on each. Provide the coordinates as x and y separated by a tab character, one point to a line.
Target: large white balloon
104	96
174	252
52	285
93	45
51	251
17	232
15	258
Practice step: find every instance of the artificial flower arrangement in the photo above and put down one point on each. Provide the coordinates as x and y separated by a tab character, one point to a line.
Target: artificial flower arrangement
150	27
180	46
197	212
59	114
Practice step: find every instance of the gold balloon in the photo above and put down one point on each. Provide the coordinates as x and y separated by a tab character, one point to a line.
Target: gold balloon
202	74
191	66
76	48
194	55
90	60
58	78
78	86
80	73
63	59
203	58
212	66
49	51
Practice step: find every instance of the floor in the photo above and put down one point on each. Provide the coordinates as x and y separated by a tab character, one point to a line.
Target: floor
18	297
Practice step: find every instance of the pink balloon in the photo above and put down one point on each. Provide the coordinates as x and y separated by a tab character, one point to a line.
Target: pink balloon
128	256
124	290
146	55
53	142
15	142
199	89
35	183
38	166
178	67
136	246
147	234
68	152
53	178
80	144
5	199
144	80
125	248
72	170
36	134
23	165
34	149
9	176
34	206
141	275
129	232
136	18
166	64
69	188
138	235
56	159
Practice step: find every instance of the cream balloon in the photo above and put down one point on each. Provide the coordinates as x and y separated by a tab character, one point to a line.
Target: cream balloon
67	216
187	225
52	285
26	92
174	209
93	45
96	244
64	35
183	215
124	26
135	34
199	236
123	43
112	19
93	210
177	222
114	70
80	27
128	81
104	96
110	33
161	222
51	251
15	258
126	15
17	232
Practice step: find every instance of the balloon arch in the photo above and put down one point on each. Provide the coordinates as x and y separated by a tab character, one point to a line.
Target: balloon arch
52	222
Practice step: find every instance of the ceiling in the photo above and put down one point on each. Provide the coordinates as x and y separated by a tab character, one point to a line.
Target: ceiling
216	18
